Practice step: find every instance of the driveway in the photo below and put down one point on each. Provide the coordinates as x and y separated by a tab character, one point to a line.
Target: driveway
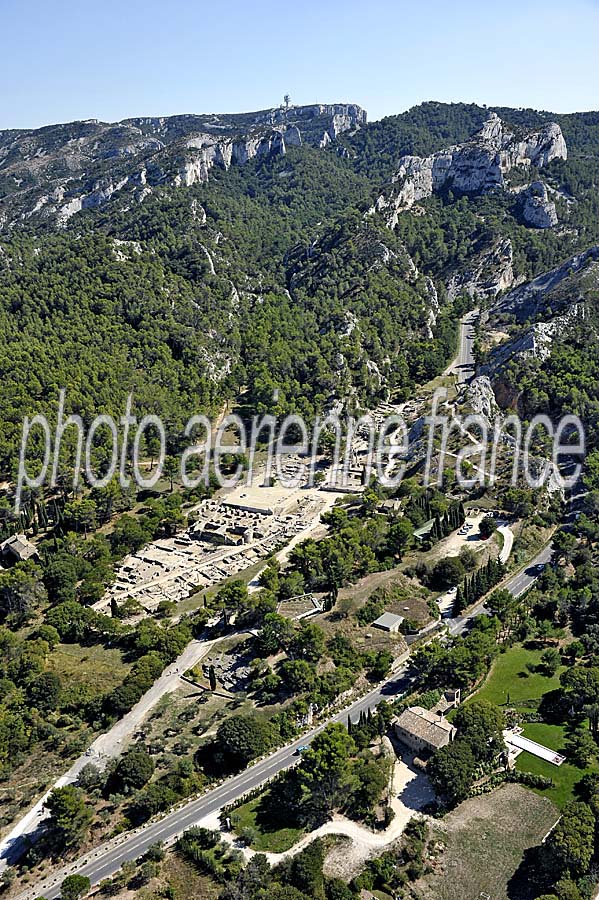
411	792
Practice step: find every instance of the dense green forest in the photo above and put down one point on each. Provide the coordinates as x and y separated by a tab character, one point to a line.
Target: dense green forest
275	279
270	276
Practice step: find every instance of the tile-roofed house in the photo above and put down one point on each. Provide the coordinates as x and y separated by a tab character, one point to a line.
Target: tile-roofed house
17	549
422	729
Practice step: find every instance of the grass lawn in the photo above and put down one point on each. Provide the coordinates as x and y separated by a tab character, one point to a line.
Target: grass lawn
510	676
565	776
266	837
97	668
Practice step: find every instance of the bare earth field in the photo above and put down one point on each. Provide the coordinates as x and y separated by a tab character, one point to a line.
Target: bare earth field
413	591
485	839
405	597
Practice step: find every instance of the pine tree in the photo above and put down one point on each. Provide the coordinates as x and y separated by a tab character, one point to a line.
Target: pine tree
482	580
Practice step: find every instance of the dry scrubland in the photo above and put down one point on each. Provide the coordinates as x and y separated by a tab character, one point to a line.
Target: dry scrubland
485	839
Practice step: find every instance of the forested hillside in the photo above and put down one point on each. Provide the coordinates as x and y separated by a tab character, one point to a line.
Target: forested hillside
271	274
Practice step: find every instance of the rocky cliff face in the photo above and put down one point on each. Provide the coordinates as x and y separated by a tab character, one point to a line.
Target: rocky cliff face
476	167
57	171
538	210
536	342
551	293
487	274
551	307
204	153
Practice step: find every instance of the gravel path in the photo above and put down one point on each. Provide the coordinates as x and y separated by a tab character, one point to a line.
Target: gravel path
411	792
106	746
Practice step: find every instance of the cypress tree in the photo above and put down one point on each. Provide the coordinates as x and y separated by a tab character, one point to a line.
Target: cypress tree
458	604
483	580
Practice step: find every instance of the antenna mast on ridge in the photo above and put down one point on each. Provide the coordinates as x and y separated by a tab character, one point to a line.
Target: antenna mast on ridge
286	101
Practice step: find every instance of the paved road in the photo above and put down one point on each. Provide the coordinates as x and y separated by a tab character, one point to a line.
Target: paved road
508	542
104	748
463	365
107	859
517	585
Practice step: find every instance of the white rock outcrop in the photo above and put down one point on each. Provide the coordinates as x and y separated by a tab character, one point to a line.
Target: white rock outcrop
555	291
208	152
62	169
102	192
481	398
488	274
538	210
478	166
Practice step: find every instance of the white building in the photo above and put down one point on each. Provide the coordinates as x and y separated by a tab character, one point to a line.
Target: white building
389	622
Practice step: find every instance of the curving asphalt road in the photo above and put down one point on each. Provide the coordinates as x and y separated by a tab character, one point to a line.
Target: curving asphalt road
106	860
463	365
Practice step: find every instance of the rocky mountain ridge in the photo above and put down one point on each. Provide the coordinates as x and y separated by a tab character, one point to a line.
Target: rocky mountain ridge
478	166
54	172
255	261
537	314
551	293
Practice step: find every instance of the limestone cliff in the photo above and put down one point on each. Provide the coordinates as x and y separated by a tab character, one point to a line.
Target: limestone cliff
55	172
476	167
486	274
538	210
551	293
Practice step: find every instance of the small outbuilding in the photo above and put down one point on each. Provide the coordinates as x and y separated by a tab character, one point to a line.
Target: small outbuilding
389	622
17	549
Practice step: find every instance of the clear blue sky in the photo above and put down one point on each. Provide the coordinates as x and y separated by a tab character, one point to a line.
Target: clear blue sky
110	59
